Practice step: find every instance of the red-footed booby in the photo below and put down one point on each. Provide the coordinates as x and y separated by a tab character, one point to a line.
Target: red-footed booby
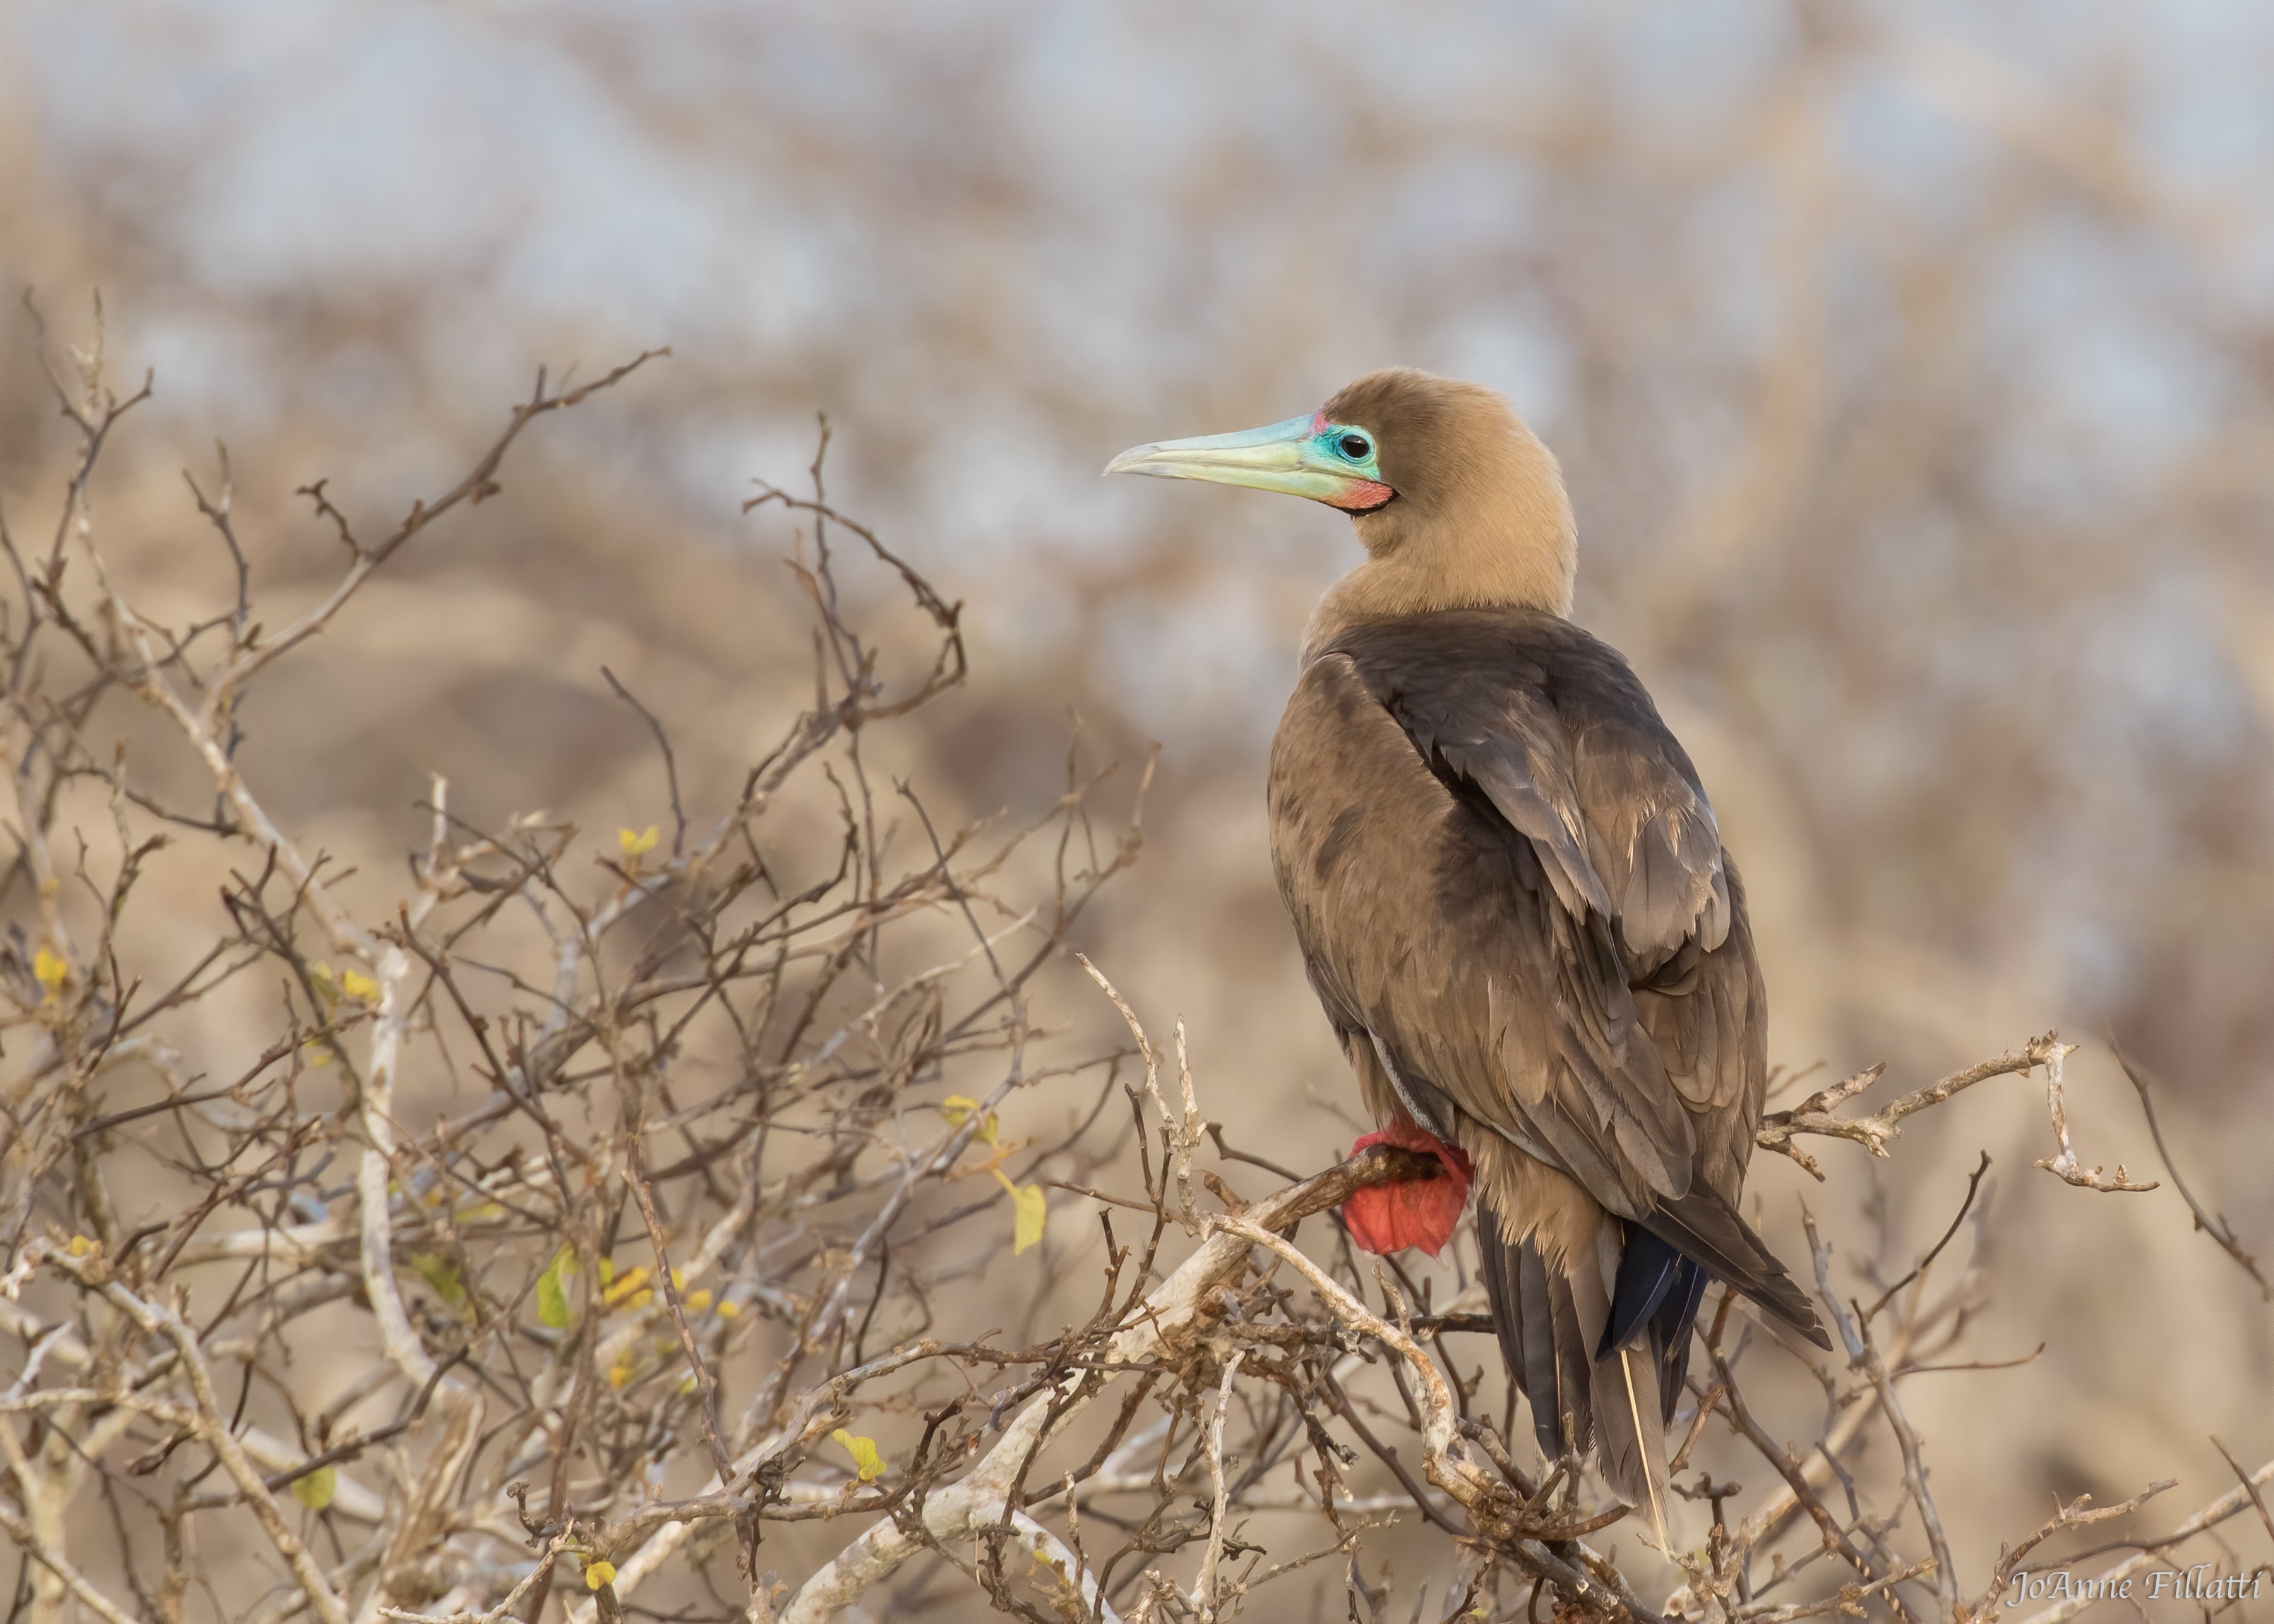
1513	900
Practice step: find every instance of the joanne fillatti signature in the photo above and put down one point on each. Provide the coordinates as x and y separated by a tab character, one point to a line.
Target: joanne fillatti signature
2197	1583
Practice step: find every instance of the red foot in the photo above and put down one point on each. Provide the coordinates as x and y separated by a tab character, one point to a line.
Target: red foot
1419	1212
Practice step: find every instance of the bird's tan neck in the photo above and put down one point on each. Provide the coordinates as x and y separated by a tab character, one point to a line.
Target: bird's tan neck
1423	575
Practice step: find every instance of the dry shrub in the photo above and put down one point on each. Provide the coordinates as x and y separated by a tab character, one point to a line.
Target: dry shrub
597	1225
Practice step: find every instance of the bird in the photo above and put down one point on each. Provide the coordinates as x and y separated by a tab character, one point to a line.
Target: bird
1514	904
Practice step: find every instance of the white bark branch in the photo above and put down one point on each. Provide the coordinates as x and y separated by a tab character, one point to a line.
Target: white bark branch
1204	1587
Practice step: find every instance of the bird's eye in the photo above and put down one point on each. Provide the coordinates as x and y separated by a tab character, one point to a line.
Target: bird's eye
1355	447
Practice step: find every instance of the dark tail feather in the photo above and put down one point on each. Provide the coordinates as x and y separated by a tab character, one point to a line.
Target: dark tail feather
1669	1333
1706	1227
1540	1363
1498	1260
1658	1288
1516	1285
1661	1289
1649	1269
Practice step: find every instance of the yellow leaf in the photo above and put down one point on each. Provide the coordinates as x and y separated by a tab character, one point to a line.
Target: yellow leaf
315	1490
958	1109
357	985
50	970
698	1300
728	1308
620	1375
866	1461
1028	1210
597	1573
638	846
552	1291
82	1246
641	1299
1028	1229
435	1270
624	1288
319	1057
607	1272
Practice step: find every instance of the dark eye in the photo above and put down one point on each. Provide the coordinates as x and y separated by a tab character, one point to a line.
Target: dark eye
1355	447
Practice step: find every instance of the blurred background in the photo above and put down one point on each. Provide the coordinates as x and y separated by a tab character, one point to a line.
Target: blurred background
1912	367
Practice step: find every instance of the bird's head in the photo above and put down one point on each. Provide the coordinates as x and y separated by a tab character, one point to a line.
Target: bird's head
1457	502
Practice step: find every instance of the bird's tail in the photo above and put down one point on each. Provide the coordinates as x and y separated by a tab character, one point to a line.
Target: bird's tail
1632	1433
1589	1388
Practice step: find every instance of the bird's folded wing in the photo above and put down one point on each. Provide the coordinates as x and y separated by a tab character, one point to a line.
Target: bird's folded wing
1499	862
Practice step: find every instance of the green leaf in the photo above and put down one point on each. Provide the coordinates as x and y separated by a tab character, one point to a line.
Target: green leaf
866	1461
435	1270
553	1291
315	1490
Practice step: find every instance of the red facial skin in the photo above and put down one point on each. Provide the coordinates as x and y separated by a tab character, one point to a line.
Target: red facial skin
1361	496
1420	1212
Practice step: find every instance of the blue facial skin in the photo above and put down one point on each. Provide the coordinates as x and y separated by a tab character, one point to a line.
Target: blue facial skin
1350	445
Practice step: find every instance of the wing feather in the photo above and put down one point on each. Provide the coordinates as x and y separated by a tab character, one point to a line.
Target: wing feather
1502	866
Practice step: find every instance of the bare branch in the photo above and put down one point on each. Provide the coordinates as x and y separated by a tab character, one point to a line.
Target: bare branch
2213	1224
2065	1166
1814	1113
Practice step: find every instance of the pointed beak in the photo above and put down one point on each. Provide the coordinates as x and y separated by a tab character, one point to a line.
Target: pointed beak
1286	457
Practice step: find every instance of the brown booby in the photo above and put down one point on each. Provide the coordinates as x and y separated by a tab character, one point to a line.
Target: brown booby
1513	900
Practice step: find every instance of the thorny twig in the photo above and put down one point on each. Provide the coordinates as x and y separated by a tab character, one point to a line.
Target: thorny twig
2213	1224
